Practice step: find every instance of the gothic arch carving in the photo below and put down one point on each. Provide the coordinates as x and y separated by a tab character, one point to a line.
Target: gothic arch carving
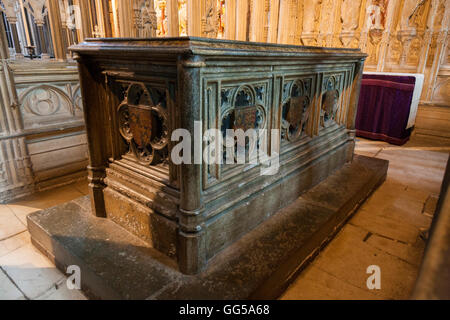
44	100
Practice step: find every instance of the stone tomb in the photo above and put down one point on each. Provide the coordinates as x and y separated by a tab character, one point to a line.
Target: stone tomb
189	217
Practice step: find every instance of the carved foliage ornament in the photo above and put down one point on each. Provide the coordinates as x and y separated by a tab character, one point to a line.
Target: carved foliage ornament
143	123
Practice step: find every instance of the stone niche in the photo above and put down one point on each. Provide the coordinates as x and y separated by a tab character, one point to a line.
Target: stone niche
136	92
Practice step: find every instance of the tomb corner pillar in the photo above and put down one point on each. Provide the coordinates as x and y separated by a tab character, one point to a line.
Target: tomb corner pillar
92	89
353	105
192	255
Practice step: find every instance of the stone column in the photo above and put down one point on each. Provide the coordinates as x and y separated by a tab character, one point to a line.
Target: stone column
242	20
44	52
72	35
441	44
106	20
86	24
427	36
125	15
257	21
36	7
327	23
230	19
10	12
274	12
15	36
64	27
194	16
4	49
284	27
172	18
59	45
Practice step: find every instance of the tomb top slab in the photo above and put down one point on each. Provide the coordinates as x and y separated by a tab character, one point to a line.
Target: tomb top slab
206	47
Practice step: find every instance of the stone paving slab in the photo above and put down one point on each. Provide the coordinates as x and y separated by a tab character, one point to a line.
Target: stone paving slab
7	289
117	265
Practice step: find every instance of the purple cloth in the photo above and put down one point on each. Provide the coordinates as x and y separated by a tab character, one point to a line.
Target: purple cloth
384	106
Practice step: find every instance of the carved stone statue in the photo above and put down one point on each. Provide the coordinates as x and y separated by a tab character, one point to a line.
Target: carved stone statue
148	20
326	19
376	15
350	14
410	14
182	13
310	15
209	22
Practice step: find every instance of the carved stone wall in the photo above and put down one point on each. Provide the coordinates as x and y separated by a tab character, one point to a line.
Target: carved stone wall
43	143
51	112
42	136
399	35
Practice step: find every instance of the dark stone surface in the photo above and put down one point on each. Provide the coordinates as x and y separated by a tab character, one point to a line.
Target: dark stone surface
117	265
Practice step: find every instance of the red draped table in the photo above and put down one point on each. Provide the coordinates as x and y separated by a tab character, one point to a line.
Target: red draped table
385	107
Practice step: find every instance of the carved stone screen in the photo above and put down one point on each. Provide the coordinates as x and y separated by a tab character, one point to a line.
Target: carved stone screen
138	92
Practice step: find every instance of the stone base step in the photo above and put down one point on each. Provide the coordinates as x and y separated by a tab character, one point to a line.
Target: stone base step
117	265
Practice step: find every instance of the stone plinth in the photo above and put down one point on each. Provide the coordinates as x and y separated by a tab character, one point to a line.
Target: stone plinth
118	265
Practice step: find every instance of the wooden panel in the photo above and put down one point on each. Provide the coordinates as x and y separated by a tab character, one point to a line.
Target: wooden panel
433	120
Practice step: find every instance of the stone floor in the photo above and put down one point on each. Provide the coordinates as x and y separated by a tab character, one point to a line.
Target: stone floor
24	272
386	232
